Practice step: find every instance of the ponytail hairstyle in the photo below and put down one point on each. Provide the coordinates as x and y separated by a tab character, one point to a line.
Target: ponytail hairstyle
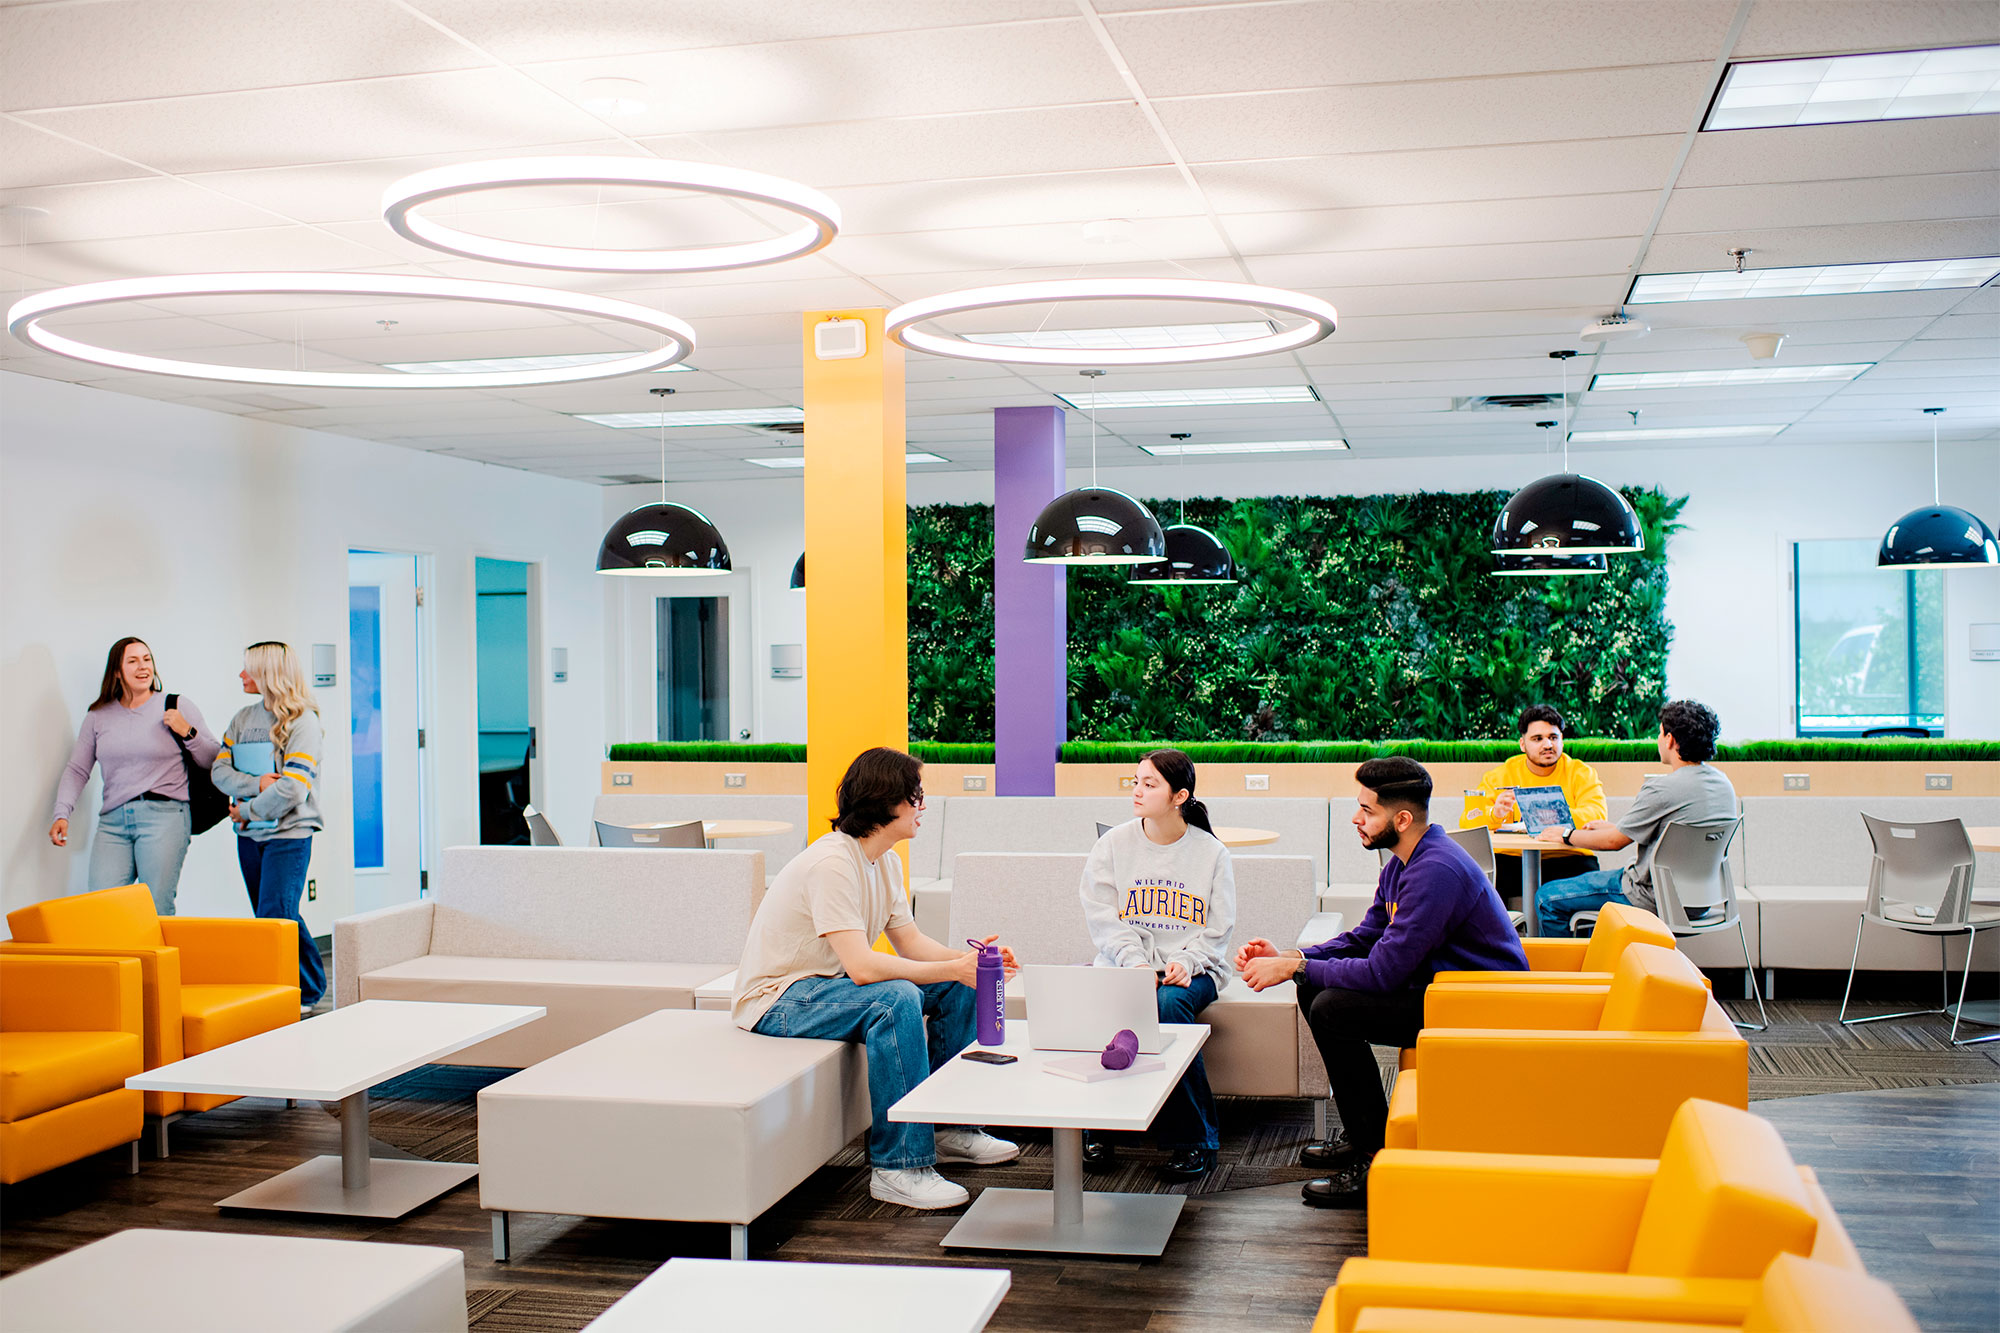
275	668
1178	772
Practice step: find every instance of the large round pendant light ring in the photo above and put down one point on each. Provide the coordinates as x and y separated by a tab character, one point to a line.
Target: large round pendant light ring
1317	314
24	321
401	201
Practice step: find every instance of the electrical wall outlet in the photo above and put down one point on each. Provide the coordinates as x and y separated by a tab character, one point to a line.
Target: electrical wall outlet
975	784
1937	782
1126	784
735	779
1798	782
1256	782
621	779
312	890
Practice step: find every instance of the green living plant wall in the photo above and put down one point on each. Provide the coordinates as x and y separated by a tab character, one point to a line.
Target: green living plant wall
1340	752
1356	616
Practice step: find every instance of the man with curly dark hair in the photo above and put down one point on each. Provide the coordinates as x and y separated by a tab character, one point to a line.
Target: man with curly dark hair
1692	789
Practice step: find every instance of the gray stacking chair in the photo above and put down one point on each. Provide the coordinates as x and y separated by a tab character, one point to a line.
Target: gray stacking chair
1921	881
1695	894
665	835
541	833
1103	829
1478	844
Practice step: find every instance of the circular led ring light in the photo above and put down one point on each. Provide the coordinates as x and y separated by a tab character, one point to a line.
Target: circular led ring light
1318	314
401	200
24	322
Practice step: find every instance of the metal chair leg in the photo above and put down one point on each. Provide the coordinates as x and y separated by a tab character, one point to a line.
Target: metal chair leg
1764	1019
1971	944
1852	963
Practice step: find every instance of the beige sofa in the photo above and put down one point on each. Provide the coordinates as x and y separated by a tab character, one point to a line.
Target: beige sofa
597	936
1257	1047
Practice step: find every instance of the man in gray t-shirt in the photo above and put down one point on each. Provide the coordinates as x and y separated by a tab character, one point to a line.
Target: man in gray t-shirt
1691	790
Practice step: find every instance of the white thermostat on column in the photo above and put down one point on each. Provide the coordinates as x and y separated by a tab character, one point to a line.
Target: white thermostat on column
840	339
559	664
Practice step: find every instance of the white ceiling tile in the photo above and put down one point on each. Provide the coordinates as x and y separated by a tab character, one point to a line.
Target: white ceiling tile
257	248
1074	198
426	113
66	55
32	157
1951	238
1663	99
1821	27
1843	152
1971	194
146	206
1304	45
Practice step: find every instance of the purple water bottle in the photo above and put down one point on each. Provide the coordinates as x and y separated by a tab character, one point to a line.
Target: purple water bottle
991	1003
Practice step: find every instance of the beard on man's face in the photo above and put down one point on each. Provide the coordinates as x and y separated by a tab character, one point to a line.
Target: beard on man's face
1383	841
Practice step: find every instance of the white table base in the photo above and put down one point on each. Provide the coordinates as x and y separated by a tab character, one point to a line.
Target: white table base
1066	1220
357	1183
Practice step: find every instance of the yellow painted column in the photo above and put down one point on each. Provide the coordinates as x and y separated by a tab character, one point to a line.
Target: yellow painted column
857	606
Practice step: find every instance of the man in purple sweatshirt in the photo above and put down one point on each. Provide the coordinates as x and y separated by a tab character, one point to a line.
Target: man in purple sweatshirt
1434	911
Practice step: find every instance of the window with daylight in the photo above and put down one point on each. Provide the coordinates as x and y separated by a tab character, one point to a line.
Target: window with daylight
1869	642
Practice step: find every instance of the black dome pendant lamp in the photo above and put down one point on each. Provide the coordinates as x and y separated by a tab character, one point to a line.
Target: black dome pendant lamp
1194	555
1094	525
1534	563
663	539
1938	534
1567	513
799	574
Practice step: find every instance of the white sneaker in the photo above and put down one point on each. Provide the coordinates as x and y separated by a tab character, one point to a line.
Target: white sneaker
975	1146
918	1188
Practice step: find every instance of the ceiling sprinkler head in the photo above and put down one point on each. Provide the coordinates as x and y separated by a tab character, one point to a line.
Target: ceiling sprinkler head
1763	346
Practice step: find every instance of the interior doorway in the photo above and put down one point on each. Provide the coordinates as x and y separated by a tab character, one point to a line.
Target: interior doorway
385	645
506	627
693	668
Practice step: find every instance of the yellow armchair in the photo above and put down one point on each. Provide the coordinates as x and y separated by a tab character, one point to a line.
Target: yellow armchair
206	981
1682	1239
1576	1070
1588	962
69	1038
1795	1295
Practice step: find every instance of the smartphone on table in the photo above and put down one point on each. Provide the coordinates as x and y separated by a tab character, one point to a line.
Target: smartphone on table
989	1058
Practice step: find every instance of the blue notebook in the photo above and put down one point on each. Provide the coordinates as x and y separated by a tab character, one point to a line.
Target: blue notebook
255	758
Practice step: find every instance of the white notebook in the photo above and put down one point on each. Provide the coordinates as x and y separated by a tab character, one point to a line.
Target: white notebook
1090	1068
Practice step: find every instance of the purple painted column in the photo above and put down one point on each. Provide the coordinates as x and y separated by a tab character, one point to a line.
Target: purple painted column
1030	606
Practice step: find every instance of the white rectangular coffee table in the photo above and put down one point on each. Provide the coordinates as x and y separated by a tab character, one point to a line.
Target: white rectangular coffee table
1064	1220
217	1282
338	1057
747	1297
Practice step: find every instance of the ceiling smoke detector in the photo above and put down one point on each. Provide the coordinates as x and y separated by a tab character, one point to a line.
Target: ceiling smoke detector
1614	328
1763	346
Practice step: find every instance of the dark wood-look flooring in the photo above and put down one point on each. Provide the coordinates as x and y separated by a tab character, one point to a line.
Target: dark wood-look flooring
1915	1173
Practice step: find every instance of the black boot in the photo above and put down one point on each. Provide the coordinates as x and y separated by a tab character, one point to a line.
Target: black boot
1099	1155
1345	1188
1330	1154
1188	1164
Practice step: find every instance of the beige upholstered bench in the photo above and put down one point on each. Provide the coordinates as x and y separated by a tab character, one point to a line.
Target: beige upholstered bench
679	1116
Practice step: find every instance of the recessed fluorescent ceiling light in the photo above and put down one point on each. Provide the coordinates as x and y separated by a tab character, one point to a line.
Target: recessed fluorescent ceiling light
1813	280
798	460
1699	379
1105	402
1160	335
554	362
1246	447
1889	85
734	416
1669	433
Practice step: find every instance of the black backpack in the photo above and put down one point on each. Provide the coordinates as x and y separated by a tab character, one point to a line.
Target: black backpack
207	806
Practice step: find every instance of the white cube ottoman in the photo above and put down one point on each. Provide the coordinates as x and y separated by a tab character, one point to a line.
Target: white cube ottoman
219	1282
679	1116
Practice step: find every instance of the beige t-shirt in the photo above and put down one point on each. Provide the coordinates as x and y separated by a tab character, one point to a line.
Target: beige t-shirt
829	886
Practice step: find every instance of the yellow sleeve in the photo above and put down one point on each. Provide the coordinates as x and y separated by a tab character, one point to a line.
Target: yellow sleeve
1495	779
1585	794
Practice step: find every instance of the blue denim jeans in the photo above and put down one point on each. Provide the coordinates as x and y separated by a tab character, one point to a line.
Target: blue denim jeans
1188	1119
274	871
1580	893
142	842
888	1018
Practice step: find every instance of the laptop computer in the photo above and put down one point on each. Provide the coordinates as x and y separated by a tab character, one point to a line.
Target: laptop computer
1083	1008
1540	808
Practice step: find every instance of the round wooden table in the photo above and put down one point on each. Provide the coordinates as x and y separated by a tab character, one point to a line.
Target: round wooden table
1244	837
1531	848
711	829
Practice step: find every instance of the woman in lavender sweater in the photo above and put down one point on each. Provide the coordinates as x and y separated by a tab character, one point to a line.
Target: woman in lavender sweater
129	733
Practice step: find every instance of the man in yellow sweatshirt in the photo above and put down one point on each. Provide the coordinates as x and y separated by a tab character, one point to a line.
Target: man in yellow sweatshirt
1541	763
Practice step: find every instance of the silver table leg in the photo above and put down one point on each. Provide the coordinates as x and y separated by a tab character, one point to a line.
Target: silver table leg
1531	890
1066	1220
357	1183
739	1241
503	1249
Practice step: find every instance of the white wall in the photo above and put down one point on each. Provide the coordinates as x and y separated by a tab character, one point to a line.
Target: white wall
203	532
1729	571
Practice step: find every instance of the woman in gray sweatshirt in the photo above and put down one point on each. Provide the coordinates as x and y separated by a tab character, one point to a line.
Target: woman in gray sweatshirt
1158	892
269	768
